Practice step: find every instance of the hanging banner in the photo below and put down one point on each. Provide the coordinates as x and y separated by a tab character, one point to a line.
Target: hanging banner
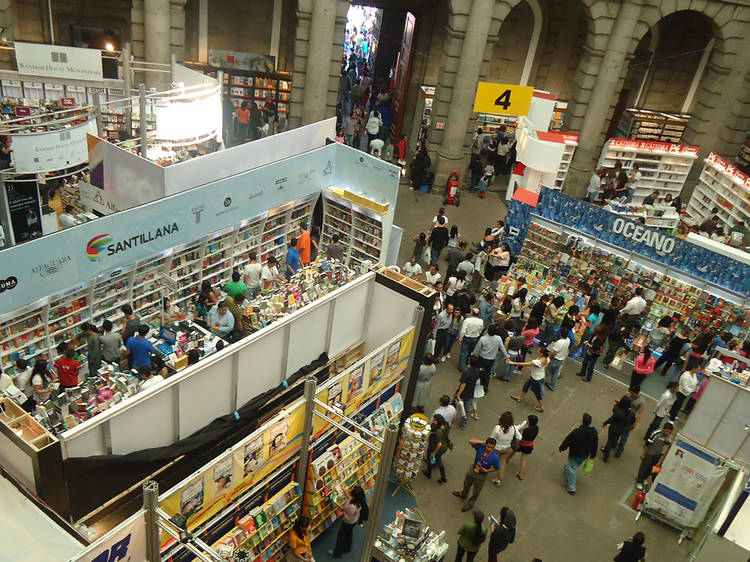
503	99
687	483
58	62
45	152
127	541
25	213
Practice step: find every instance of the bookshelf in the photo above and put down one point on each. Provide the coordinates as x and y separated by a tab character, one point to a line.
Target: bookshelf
721	185
658	126
360	229
262	531
664	166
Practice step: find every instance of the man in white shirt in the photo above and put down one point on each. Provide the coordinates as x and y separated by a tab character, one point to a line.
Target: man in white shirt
446	409
149	379
269	275
594	186
441	213
558	351
412	268
252	273
432	276
687	384
471	329
633	309
67	219
663	405
633	179
376	144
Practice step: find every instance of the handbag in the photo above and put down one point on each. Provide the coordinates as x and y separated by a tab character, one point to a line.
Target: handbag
588	466
430	346
479	390
459	404
514	443
618	360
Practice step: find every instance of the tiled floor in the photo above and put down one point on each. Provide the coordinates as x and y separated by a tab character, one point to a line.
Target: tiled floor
552	525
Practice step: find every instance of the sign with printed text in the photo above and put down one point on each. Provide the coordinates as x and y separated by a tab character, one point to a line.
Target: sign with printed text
631	144
125	542
56	61
503	99
731	171
96	199
55	150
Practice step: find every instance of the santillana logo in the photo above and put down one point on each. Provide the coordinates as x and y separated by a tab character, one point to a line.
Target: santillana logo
96	246
104	245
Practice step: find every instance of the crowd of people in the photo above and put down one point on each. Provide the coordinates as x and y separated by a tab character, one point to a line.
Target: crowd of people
500	330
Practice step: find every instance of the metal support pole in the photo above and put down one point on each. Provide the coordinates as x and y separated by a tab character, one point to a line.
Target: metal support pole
311	385
98	113
410	380
144	124
172	65
127	78
150	504
381	484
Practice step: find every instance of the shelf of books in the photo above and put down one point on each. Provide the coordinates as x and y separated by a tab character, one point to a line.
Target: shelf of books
343	465
664	166
564	259
35	330
721	185
642	124
262	532
360	229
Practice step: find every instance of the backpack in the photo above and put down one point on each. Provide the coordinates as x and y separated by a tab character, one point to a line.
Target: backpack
515	345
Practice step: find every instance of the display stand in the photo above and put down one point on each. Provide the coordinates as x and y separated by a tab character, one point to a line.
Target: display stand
659	216
743	158
658	126
492	123
411	451
664	166
721	185
409	539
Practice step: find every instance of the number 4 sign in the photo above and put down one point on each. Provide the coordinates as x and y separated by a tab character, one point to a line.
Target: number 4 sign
503	99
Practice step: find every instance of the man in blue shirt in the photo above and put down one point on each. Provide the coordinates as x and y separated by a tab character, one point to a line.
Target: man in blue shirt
292	259
140	348
220	320
485	461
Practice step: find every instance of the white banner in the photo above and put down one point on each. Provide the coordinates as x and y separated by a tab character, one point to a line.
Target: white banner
96	199
59	62
127	541
45	152
686	486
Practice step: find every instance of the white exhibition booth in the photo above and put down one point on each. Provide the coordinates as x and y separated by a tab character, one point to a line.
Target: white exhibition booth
361	311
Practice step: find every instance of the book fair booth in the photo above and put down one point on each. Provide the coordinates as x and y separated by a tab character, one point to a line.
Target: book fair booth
559	242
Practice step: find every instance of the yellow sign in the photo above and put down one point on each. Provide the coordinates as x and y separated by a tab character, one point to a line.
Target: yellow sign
503	99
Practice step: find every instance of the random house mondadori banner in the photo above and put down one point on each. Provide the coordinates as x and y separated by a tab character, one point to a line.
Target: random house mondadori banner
57	61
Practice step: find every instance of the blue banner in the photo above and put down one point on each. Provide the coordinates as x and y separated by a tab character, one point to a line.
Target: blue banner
629	235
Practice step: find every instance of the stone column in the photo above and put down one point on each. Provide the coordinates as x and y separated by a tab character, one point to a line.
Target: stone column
460	99
156	23
721	116
322	25
606	79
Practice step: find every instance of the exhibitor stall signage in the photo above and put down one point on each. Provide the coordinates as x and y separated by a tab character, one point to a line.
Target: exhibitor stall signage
654	146
503	99
590	220
54	150
58	62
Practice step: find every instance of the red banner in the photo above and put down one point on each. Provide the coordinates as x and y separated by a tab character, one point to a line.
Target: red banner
729	170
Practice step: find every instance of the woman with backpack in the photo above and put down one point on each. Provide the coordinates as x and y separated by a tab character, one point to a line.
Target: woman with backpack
355	511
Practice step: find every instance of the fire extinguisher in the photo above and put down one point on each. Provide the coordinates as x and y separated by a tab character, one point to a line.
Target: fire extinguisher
639	497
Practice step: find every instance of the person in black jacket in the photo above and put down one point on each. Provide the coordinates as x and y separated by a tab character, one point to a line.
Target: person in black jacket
438	239
619	422
632	550
503	534
581	443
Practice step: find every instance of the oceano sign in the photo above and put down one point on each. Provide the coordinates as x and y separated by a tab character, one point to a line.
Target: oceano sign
640	234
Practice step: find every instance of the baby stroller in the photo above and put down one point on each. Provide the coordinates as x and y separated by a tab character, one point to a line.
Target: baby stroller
451	189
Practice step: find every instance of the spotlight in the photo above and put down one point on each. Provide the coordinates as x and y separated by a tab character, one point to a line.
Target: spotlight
109	46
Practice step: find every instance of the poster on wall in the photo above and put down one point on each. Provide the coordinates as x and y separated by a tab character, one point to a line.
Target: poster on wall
392	361
241	61
376	366
252	457
277	436
24	210
191	498
223	476
356	380
335	394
